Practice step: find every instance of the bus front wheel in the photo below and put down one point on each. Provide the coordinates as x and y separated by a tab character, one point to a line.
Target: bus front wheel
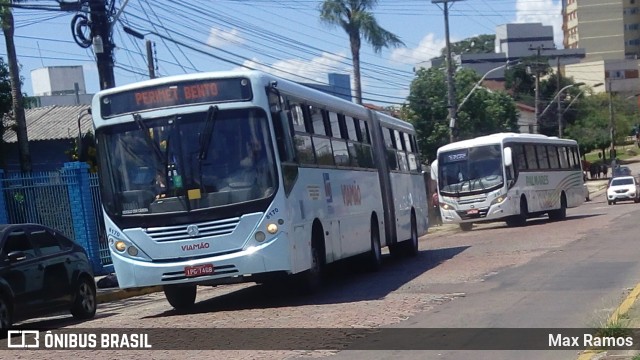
466	226
180	296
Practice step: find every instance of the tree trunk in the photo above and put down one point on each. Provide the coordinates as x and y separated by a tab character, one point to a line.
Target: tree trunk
354	39
16	92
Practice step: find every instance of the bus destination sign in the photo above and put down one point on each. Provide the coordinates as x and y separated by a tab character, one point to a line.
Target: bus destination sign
454	156
176	94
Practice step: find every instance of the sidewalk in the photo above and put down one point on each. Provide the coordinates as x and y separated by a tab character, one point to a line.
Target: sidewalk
115	293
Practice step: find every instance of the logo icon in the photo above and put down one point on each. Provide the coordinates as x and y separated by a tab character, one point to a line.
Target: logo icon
25	339
193	230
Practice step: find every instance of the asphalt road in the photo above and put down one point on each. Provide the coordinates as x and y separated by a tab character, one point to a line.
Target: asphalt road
575	285
570	273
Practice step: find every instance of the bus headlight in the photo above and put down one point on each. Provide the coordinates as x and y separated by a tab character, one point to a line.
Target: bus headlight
120	245
272	228
498	200
446	206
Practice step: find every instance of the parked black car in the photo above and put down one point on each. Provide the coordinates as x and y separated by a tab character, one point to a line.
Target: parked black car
43	272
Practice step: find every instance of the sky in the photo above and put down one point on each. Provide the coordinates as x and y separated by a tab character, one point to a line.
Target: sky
283	37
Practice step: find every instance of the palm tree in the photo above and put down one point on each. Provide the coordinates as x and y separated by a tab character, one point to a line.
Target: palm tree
6	16
355	18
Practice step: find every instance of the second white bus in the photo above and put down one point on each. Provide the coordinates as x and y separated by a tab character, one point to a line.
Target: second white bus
508	177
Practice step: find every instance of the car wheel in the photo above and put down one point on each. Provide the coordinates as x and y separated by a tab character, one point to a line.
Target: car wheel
5	314
180	296
84	303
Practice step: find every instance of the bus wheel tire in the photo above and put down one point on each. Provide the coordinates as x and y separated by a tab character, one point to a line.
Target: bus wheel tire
374	260
521	219
609	202
180	296
560	214
411	246
466	226
310	281
408	247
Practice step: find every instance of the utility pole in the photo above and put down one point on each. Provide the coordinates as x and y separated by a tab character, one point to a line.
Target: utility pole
612	128
150	61
451	90
102	45
559	103
538	49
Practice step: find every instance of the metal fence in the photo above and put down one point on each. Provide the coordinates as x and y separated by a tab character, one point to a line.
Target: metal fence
47	197
41	198
105	256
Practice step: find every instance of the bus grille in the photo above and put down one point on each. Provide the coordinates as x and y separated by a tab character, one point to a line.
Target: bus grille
471	200
181	232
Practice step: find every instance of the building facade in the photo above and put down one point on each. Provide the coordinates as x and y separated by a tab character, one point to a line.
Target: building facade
609	31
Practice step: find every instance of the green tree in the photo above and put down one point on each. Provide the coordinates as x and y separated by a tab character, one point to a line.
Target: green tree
481	44
357	20
6	16
484	112
592	126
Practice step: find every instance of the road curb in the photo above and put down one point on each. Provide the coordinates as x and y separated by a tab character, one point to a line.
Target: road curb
624	307
119	294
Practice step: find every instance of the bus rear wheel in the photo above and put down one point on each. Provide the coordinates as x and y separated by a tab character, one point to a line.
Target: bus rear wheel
180	296
374	260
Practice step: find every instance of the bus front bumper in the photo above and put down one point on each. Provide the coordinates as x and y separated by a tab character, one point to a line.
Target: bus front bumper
456	216
272	256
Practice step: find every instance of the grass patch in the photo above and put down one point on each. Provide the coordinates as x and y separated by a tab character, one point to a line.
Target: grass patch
592	157
618	328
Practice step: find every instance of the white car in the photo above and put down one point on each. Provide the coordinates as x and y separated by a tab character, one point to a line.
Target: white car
623	188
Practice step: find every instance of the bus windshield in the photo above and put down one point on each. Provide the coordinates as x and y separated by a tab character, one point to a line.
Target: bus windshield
472	170
186	162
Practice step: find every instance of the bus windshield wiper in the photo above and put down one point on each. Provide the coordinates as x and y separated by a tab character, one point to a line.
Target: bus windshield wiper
147	137
207	132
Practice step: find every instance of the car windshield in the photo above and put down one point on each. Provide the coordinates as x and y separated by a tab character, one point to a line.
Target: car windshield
187	162
616	182
470	170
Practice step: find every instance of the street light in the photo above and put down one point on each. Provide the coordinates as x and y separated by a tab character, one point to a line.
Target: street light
479	83
577	96
559	112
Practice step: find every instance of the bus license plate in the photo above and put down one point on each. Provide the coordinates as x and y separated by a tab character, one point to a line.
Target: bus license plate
191	271
472	211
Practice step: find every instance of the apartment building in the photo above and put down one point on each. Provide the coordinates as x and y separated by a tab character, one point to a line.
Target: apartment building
609	31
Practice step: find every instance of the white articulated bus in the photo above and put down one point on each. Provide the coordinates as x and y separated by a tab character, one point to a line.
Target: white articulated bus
221	177
507	177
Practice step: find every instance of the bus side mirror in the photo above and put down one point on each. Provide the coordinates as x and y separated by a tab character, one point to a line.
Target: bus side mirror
508	157
434	170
